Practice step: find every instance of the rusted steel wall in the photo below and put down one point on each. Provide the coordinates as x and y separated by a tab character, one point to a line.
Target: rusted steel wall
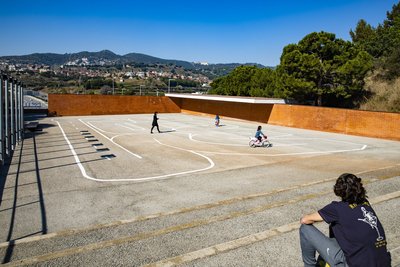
71	105
355	122
245	111
364	123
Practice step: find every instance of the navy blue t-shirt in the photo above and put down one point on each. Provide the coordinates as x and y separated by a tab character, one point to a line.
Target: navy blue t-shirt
358	232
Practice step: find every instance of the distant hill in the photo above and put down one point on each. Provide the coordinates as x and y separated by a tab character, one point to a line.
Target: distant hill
106	57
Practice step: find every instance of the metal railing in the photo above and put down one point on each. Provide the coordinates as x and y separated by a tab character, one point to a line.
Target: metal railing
11	115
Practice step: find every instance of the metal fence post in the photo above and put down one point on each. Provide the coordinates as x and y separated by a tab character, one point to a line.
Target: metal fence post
18	111
21	112
2	128
12	114
7	116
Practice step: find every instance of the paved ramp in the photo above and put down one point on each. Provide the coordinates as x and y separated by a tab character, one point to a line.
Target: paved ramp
103	191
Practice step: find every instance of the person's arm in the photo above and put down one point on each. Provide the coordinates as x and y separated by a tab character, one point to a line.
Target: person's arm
311	218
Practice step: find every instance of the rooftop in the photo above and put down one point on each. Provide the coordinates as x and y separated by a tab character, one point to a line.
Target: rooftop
241	99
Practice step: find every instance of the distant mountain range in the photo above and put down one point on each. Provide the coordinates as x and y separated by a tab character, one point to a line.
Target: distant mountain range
106	57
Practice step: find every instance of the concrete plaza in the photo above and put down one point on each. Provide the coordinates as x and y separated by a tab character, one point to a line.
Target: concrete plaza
103	191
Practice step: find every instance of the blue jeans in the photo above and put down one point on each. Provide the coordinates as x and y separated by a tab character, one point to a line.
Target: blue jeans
312	240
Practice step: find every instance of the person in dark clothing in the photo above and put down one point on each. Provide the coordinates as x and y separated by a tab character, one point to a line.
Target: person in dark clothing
155	123
217	120
356	236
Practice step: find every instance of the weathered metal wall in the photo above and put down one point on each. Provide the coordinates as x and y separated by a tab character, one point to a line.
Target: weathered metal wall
355	122
74	105
364	123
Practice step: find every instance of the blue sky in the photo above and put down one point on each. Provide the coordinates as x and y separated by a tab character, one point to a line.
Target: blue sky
217	31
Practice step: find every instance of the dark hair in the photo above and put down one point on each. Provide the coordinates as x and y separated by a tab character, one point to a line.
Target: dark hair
259	128
350	189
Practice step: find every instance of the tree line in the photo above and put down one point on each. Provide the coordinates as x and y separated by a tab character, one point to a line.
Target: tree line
322	69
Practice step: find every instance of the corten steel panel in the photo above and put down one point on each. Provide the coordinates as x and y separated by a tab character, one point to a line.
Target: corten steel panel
373	124
356	122
68	105
281	115
246	111
318	118
364	123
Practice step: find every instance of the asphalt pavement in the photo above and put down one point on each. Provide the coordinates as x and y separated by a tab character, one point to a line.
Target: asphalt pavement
104	191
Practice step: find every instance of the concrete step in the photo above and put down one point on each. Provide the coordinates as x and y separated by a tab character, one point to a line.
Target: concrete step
234	226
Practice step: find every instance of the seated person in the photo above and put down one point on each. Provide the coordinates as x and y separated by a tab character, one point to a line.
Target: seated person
356	238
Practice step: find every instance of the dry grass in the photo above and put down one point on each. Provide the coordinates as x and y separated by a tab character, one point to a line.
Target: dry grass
385	95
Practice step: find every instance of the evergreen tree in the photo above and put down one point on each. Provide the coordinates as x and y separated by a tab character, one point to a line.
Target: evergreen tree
320	66
366	37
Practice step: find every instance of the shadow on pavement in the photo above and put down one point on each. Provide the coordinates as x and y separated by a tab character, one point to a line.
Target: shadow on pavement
17	184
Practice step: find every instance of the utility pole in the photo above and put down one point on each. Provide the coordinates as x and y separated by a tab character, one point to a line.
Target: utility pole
113	85
169	84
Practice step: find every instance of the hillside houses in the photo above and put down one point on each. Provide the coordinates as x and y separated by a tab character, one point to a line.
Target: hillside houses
82	68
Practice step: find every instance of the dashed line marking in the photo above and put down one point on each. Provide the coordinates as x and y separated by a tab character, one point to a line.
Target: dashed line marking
88	124
84	174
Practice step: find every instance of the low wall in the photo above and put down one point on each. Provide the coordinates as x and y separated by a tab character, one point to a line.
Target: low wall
364	123
76	105
356	122
245	111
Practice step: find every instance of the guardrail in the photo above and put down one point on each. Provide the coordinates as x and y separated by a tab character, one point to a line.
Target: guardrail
11	116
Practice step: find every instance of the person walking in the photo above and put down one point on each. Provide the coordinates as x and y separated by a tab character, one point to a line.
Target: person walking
217	120
356	234
155	122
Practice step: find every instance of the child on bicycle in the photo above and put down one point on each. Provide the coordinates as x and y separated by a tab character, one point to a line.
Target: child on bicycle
259	134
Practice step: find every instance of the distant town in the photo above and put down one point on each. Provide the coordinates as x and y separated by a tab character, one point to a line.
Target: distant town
107	73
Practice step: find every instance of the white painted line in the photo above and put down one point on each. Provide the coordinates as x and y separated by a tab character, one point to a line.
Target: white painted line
318	138
134	124
127	127
78	162
283	145
101	130
213	143
247	137
130	128
270	139
245	140
159	177
94	128
126	134
285	154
